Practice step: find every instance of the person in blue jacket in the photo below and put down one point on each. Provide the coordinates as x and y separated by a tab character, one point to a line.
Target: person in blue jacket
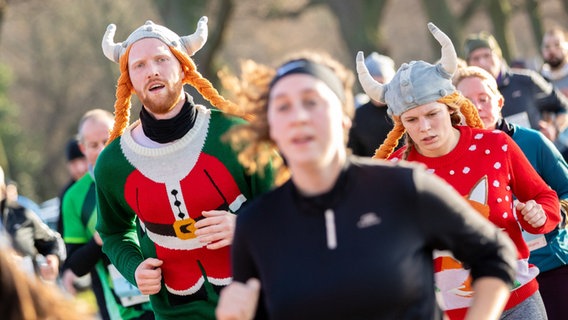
549	252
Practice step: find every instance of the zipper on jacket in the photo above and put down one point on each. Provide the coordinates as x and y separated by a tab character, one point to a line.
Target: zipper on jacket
330	229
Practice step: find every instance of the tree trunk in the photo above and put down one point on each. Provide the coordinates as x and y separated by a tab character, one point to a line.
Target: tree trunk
500	13
533	10
439	13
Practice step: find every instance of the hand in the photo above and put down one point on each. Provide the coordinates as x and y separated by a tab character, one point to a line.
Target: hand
532	213
50	269
148	276
548	130
238	301
98	239
67	281
217	229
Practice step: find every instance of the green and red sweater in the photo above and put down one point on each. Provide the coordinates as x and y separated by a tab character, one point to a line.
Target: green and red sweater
488	168
149	199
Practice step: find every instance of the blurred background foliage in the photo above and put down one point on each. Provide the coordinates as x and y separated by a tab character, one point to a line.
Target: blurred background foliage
52	68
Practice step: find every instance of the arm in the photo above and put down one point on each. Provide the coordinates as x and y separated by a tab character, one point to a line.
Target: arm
49	244
450	223
116	223
551	166
561	122
46	240
550	99
238	300
491	295
82	258
82	251
527	185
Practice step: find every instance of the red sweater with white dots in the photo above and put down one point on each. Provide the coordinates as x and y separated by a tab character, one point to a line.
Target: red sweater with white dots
488	168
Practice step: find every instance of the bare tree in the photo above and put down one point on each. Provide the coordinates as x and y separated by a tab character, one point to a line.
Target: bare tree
182	17
60	73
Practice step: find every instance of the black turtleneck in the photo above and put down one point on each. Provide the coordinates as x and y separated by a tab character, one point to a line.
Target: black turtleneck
504	126
168	130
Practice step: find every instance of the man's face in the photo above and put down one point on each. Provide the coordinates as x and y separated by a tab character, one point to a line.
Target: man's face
487	59
156	75
554	49
94	136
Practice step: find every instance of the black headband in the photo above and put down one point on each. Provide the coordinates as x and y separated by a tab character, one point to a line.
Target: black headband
316	70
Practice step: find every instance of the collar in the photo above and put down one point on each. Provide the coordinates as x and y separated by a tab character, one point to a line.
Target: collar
504	126
168	130
319	203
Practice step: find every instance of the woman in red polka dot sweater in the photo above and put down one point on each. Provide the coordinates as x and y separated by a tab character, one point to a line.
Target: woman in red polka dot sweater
486	167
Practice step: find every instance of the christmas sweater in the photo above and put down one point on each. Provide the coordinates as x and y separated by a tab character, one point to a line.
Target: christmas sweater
79	214
150	198
488	168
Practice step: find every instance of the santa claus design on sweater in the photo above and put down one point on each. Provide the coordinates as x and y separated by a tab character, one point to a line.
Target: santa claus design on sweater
169	190
457	280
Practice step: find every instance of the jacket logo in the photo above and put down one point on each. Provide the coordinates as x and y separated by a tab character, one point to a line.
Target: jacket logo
368	220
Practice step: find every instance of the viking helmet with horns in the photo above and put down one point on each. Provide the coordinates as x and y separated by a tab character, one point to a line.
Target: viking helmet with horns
415	83
182	47
189	44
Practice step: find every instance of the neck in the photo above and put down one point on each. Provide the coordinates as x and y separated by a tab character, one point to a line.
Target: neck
318	178
165	130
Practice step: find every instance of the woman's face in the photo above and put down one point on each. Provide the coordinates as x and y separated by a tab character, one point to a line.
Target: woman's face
430	127
306	120
487	102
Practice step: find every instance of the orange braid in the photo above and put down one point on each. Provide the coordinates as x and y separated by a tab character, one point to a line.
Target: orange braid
391	141
465	106
124	92
123	103
454	100
204	86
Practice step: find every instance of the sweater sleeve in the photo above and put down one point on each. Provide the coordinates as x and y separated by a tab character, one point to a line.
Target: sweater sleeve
242	260
82	258
528	185
46	241
450	223
116	224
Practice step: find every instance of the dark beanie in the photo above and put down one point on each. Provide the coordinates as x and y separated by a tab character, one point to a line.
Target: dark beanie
72	150
480	40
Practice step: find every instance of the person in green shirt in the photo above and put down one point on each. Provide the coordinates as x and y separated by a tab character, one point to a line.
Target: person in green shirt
79	214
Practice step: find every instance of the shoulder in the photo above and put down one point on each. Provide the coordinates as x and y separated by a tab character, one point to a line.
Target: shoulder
365	109
389	173
109	153
488	136
528	134
397	154
220	117
260	207
528	76
78	187
530	140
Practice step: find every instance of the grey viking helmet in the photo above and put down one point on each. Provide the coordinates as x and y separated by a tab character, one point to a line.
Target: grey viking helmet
415	83
189	44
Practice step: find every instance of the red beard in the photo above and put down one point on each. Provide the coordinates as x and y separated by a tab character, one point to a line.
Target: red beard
159	105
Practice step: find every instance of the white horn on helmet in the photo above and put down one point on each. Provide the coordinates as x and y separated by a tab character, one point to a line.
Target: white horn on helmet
110	49
449	58
194	42
372	87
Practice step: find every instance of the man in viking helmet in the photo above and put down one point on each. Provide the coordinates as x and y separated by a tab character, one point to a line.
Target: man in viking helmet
168	185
